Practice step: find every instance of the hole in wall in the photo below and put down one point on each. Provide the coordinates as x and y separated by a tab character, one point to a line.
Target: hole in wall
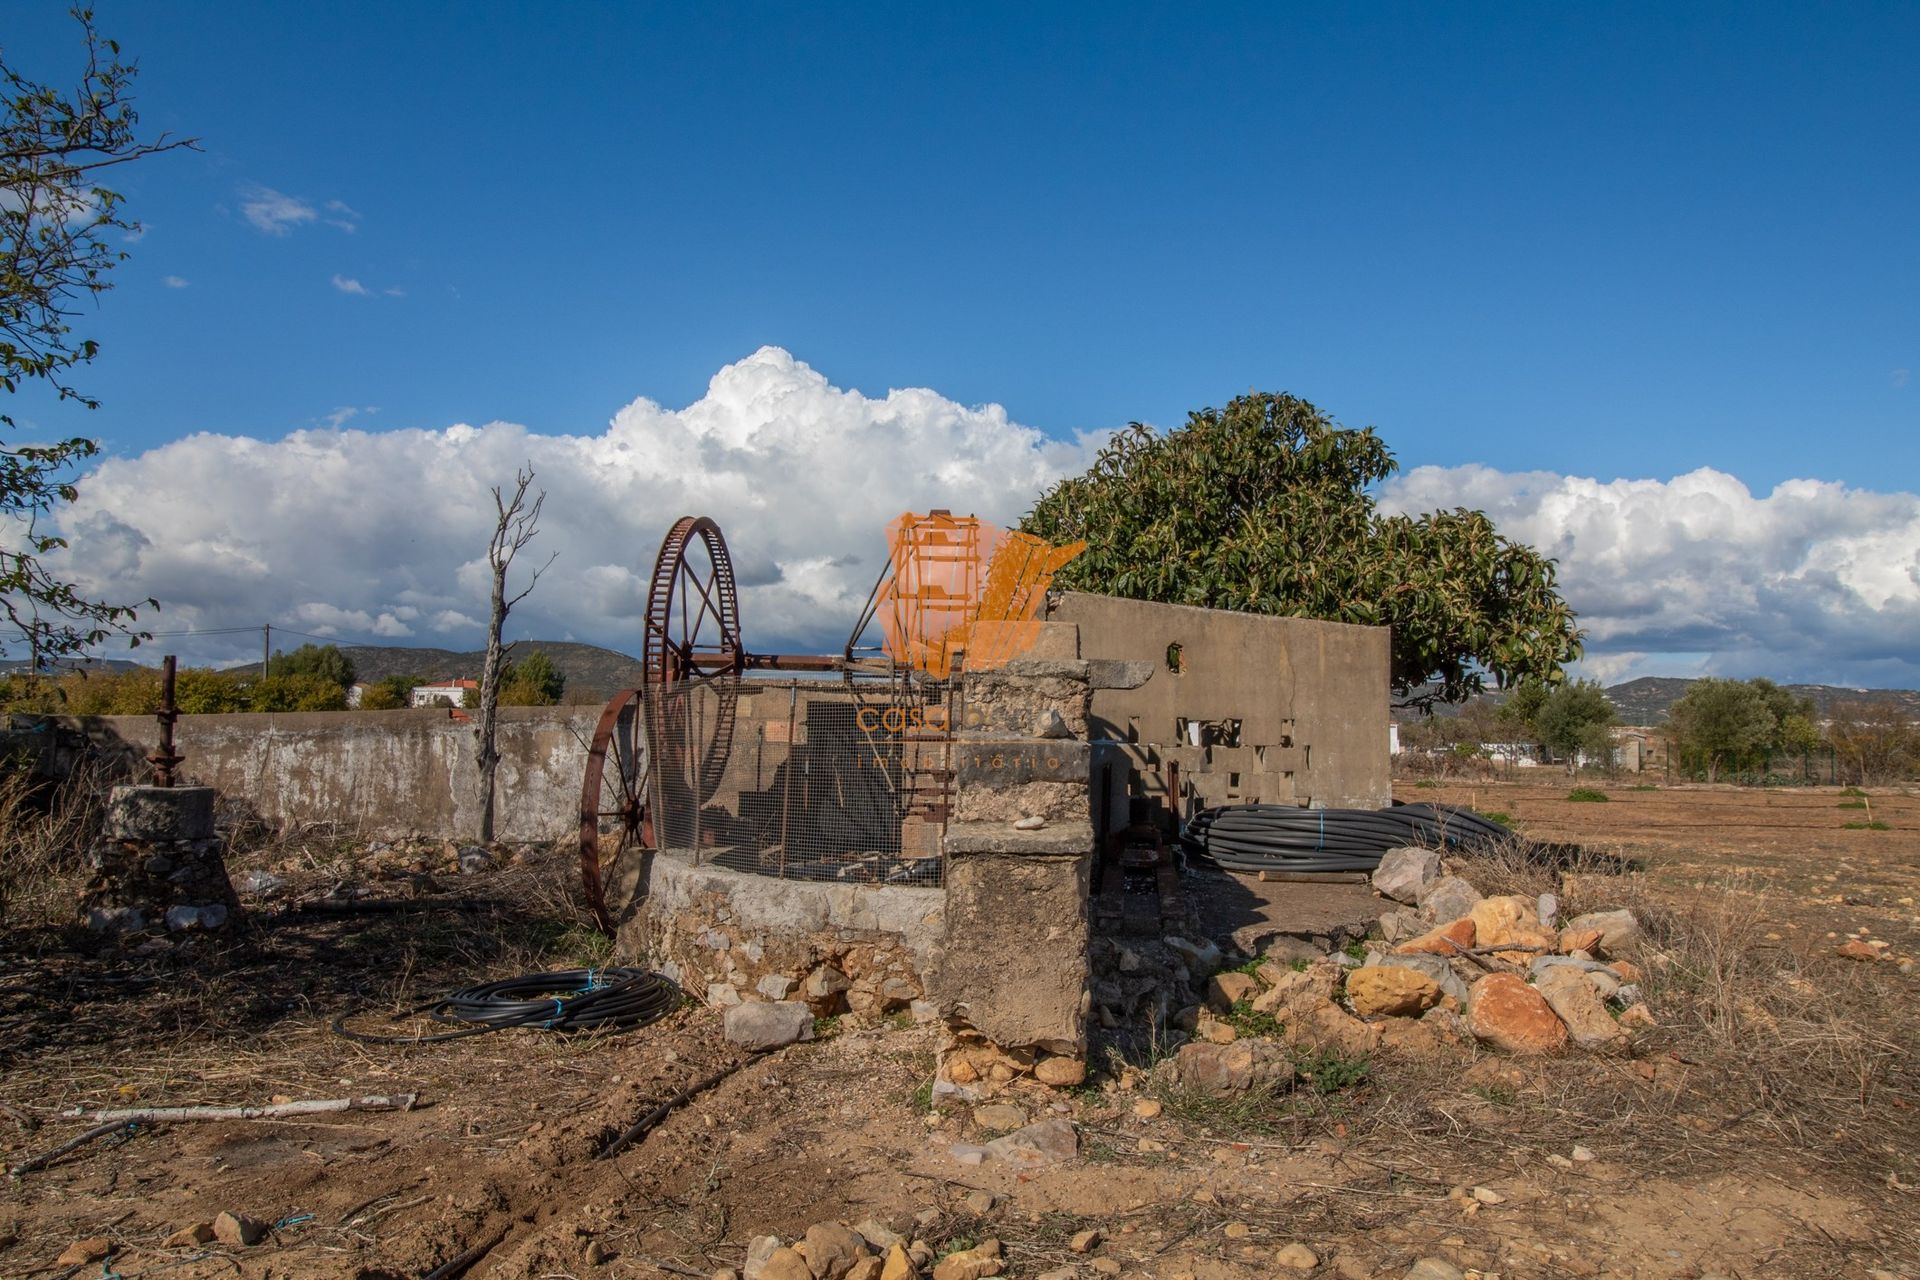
1176	659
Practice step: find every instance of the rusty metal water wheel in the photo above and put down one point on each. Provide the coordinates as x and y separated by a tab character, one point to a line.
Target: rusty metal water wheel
693	658
616	824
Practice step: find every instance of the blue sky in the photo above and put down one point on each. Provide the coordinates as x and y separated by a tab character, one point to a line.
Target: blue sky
1616	242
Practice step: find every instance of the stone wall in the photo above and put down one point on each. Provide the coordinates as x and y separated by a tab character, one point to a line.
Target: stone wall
386	774
730	936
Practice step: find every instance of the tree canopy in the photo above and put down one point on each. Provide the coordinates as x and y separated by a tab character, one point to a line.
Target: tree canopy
323	660
1721	722
532	682
56	217
1265	507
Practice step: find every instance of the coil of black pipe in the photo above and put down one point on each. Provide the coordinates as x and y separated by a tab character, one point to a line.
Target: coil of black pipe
1268	837
614	999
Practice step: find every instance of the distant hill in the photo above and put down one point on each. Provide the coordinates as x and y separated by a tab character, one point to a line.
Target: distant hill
1649	699
593	673
19	666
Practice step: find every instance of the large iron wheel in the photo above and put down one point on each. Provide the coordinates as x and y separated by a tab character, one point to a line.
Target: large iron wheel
615	820
693	657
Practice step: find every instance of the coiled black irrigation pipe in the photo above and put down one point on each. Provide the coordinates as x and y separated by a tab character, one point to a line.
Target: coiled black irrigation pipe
616	999
1271	837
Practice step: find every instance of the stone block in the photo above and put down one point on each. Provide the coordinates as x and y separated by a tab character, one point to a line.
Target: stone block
160	813
1013	964
1058	840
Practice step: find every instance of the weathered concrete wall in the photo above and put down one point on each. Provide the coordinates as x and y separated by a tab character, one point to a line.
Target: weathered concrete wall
384	773
1310	699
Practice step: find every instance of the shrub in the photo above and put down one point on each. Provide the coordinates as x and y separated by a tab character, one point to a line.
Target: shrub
1587	795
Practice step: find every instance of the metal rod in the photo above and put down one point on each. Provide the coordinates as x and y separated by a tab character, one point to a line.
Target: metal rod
165	758
786	789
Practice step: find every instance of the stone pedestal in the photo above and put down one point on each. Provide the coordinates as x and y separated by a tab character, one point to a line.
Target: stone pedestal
1011	973
158	866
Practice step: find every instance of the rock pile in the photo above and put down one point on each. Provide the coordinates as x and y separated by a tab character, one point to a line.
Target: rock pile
159	865
868	1250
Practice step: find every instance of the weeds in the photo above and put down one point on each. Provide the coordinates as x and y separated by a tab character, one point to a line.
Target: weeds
1500	816
45	830
1248	1021
1330	1071
1587	795
1875	825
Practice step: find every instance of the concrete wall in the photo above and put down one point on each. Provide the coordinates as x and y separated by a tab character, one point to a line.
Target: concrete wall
385	773
1310	698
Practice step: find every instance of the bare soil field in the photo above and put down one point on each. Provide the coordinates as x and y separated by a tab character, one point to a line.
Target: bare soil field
1767	1127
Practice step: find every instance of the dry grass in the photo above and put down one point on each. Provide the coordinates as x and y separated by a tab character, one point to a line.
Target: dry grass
45	831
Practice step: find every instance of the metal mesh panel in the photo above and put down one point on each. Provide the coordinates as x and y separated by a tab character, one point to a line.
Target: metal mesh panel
805	780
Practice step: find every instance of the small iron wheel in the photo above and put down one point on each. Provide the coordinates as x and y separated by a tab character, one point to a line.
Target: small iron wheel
616	824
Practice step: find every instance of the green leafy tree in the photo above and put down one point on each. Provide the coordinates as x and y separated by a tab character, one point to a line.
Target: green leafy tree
1785	707
303	692
1264	507
1722	722
57	246
1574	720
1519	714
390	693
323	660
198	691
532	682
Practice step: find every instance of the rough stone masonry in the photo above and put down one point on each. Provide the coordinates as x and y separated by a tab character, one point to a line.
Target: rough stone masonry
1010	974
158	865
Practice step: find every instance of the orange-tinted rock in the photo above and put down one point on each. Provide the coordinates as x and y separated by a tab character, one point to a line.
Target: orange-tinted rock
1857	950
1628	970
1512	921
1396	992
1508	1014
1448	940
1579	940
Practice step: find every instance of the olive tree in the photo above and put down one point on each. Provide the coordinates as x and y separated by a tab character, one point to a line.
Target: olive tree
1266	506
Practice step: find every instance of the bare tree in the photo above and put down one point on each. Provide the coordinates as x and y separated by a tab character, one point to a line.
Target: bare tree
517	523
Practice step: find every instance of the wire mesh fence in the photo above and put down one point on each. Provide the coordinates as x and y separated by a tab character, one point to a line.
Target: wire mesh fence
803	779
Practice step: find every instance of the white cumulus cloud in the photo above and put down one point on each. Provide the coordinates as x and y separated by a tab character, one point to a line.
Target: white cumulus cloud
347	284
1814	581
362	534
274	212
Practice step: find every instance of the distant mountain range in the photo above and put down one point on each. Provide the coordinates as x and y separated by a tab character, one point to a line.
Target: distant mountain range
1648	699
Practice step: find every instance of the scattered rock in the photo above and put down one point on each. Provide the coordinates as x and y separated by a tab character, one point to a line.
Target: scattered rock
1449	939
775	986
722	995
182	918
1221	1070
1060	1072
1508	1014
1403	872
831	1250
1435	1269
1447	898
1391	991
597	1254
474	859
1852	950
968	1154
970	1264
196	1233
1572	940
1224	990
1582	1154
1084	1241
898	1265
1546	908
768	1024
979	1203
1296	991
1106	1266
1510	921
1297	1257
1487	1195
1032	822
260	884
1575	1002
878	1234
759	1249
825	989
1620	932
81	1252
1001	1117
238	1230
1236	1231
1214	1031
1200	957
1147	1109
867	1268
782	1264
1036	1146
1436	967
1637	1015
1285	949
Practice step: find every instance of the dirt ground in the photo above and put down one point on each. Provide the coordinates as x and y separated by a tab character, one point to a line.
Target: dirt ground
1769	1137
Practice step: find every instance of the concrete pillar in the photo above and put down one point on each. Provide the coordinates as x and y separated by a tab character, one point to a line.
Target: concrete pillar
1012	968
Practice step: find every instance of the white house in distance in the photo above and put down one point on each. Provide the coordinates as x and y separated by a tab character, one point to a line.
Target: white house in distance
429	695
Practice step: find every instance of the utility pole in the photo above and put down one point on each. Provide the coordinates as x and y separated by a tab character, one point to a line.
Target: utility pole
266	650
